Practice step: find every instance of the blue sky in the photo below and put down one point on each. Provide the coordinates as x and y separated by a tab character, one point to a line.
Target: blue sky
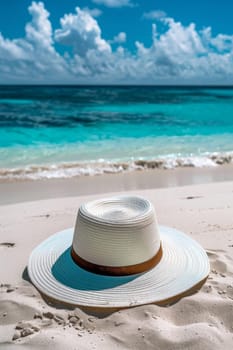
116	41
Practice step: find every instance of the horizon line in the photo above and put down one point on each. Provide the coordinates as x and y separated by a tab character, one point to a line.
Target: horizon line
119	85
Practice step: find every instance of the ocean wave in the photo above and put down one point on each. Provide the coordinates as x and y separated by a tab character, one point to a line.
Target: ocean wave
68	170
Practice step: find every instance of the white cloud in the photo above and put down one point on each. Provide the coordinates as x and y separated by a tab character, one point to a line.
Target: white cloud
114	3
10	49
179	40
39	30
93	12
221	42
156	14
177	54
119	38
82	32
33	58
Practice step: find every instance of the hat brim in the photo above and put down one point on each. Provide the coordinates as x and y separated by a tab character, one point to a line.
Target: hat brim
183	267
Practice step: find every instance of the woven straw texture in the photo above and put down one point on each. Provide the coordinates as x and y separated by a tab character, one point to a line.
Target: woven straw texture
118	231
53	272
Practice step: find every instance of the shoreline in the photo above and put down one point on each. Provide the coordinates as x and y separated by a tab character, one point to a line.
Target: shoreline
16	191
70	169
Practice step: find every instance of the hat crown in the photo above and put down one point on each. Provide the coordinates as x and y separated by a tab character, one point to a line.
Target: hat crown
116	232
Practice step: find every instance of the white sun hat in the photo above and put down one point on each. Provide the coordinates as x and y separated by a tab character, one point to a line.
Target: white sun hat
118	256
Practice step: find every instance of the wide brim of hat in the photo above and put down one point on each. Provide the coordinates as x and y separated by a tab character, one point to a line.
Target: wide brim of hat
183	267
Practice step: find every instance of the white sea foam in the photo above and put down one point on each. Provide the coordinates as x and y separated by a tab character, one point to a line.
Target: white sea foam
73	169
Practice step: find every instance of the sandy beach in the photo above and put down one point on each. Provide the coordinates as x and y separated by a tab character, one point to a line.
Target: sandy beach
198	202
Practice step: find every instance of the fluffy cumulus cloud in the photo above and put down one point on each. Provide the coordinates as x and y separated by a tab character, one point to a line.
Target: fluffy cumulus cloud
39	30
178	54
32	58
82	32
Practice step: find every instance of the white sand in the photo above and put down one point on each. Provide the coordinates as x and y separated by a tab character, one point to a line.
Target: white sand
201	321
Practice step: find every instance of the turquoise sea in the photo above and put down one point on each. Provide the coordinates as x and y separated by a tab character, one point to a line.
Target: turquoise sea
64	131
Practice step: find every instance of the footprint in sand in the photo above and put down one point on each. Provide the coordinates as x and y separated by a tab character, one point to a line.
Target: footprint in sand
220	277
24	329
